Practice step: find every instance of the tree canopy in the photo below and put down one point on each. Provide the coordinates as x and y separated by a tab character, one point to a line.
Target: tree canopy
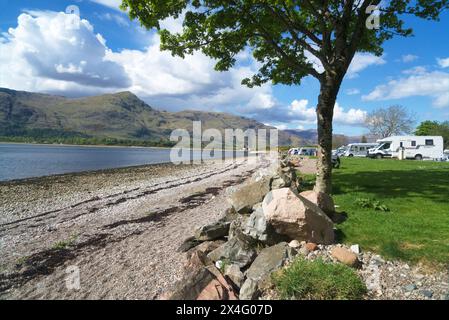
288	38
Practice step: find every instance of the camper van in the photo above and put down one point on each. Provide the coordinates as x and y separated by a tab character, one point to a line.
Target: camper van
408	147
358	149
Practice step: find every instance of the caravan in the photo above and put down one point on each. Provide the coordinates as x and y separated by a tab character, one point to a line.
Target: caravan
358	149
408	147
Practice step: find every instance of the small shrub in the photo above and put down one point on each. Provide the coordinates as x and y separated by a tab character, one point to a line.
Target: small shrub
65	244
371	204
317	280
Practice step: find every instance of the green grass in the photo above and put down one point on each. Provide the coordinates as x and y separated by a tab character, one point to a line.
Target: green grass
416	225
317	280
61	245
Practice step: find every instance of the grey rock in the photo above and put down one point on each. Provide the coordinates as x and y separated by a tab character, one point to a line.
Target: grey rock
237	250
270	259
256	226
427	293
213	231
237	226
249	290
303	251
249	194
294	244
410	287
234	273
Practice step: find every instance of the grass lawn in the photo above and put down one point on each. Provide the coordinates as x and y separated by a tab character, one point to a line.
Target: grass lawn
417	194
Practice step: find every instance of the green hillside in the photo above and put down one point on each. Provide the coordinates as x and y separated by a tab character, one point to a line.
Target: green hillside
120	118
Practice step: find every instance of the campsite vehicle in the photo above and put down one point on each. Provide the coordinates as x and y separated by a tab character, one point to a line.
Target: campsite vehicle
303	151
408	147
358	149
308	151
339	151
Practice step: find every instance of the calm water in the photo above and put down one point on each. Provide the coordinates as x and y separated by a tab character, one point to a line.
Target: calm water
18	161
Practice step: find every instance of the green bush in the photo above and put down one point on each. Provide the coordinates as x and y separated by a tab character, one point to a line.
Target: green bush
371	204
317	280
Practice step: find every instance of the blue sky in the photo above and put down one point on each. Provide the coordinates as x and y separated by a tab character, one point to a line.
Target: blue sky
106	52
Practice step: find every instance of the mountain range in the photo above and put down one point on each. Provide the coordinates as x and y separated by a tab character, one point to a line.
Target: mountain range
120	118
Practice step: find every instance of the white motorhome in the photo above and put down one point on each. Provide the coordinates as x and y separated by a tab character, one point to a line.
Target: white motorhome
408	147
358	149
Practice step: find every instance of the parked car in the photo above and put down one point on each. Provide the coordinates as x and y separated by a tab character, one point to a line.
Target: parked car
340	151
409	147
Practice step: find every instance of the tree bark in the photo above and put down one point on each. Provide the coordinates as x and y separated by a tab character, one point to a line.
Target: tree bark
329	88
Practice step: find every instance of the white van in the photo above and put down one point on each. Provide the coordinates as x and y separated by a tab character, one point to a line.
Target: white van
308	151
358	149
409	147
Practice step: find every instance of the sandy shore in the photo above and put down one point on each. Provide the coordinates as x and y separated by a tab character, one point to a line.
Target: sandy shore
120	228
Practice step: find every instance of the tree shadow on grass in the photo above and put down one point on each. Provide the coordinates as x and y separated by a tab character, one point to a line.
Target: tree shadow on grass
432	184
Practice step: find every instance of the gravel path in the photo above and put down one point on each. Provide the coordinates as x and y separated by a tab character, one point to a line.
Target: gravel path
120	228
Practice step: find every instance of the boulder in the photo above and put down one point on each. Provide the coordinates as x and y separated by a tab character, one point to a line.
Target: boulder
249	194
237	226
257	228
322	200
258	275
345	256
196	278
213	291
213	231
238	250
269	259
218	288
296	217
234	273
249	290
284	178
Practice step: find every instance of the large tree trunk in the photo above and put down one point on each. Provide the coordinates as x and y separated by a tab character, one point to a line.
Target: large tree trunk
330	86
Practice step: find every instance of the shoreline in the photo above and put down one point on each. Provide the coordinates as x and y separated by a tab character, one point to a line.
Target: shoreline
112	224
33	180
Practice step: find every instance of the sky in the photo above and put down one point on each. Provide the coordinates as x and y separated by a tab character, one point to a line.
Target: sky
45	48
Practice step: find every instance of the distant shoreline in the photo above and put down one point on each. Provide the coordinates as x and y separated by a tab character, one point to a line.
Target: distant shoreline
82	145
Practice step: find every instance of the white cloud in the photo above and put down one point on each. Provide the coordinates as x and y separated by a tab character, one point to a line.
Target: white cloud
362	61
409	58
432	84
352	91
55	51
352	116
415	70
113	4
443	63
